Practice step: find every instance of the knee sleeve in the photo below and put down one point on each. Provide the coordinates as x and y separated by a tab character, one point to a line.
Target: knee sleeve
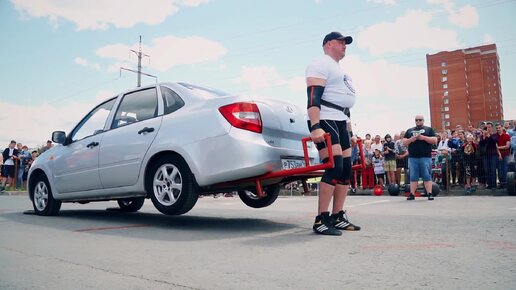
346	171
332	175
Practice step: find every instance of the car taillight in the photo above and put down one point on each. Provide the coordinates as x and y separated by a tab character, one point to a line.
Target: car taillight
243	115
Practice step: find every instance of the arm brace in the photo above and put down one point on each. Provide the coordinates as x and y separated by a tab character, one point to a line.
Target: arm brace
314	94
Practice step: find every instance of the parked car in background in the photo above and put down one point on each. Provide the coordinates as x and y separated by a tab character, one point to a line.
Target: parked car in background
170	142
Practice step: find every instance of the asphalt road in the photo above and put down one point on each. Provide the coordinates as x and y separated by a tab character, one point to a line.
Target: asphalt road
449	243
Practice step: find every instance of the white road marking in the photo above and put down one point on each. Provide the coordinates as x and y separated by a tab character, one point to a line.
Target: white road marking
368	203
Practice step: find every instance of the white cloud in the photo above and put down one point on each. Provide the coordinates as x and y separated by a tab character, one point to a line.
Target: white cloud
386	92
84	62
488	39
168	51
261	77
465	17
101	14
38	122
386	2
411	31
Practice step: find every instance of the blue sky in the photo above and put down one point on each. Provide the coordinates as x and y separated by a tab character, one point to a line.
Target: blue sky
60	58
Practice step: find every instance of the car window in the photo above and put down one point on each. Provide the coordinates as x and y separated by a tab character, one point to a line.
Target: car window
204	92
94	122
171	100
135	107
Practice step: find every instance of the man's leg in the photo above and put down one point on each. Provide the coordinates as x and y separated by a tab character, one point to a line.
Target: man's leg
414	176
323	223
341	190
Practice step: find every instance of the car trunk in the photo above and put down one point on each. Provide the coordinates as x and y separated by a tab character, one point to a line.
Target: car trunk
284	124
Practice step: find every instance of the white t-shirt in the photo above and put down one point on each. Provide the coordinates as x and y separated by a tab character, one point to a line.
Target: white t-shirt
378	146
9	161
339	88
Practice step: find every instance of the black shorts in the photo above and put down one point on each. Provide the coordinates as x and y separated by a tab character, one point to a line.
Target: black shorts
402	163
8	170
338	131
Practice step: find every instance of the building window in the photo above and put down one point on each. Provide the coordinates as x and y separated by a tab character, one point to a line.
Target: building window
447	116
444	71
443	63
446	109
445	86
445	79
445	93
447	124
446	101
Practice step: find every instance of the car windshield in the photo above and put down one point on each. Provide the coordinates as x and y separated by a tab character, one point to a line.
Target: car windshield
204	91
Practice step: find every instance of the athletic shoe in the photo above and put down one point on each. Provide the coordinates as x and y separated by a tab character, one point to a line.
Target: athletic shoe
323	225
430	197
411	197
341	222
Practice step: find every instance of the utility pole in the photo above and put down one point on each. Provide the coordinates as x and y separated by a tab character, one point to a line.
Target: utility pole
139	72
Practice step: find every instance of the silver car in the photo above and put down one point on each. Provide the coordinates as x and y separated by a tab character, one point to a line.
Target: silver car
171	142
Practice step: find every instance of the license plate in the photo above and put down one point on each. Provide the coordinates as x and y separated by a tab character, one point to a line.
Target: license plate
292	163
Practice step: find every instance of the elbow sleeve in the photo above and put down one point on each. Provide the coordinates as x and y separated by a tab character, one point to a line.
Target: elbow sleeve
314	94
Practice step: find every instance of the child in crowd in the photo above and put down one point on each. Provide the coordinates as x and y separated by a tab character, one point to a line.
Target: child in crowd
469	148
378	164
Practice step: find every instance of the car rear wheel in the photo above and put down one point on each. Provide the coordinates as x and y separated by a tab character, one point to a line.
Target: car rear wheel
251	199
42	199
511	186
131	204
171	186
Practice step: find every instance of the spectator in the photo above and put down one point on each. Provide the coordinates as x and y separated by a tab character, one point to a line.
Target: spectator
401	159
10	156
368	136
489	153
368	172
469	148
389	159
378	165
355	159
511	132
419	140
377	144
503	145
24	156
455	143
444	152
45	148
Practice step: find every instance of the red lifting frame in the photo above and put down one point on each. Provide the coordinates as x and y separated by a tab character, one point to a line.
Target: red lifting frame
306	169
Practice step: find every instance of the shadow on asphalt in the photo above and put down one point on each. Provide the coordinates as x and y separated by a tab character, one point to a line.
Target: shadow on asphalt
153	226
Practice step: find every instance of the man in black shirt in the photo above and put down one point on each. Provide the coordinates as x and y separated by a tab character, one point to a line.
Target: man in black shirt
419	140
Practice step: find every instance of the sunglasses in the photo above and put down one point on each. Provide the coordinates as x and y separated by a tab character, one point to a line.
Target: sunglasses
419	120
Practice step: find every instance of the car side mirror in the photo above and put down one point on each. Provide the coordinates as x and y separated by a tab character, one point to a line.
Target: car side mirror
59	137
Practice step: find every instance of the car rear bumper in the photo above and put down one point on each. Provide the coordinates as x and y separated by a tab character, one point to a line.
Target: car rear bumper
237	155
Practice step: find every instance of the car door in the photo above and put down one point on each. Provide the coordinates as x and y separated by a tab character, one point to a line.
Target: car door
76	167
134	127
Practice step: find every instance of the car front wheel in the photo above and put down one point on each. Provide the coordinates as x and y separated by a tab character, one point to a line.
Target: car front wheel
252	200
131	204
171	186
42	199
511	186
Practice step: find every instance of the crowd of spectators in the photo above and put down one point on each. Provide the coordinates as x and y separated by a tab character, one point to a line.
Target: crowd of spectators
467	157
15	163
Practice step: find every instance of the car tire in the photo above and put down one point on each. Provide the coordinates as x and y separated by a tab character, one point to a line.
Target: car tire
170	186
252	200
42	199
131	204
511	186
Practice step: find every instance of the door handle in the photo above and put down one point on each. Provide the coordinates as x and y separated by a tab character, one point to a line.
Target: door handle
146	130
92	144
